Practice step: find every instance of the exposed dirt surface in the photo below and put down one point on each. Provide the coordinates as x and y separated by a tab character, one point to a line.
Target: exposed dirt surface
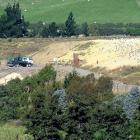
105	53
55	50
108	54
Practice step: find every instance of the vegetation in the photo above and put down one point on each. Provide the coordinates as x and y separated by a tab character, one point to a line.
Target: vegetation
11	132
12	24
79	108
70	25
127	74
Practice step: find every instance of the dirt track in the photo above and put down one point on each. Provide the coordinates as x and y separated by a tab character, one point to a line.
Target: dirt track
62	71
109	52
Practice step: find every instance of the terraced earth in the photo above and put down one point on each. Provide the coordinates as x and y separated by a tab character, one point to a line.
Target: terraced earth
117	57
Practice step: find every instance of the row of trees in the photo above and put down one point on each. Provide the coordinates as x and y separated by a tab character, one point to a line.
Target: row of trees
115	29
12	24
79	108
70	28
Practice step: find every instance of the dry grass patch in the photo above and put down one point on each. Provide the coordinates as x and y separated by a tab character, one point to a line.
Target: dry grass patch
107	53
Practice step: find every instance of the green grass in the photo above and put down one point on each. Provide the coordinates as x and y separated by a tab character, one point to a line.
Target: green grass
12	132
84	46
101	11
135	74
9	132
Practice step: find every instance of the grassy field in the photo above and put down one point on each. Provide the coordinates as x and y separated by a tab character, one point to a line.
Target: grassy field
100	11
10	132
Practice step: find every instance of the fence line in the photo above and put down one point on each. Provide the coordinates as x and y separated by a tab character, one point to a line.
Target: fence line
120	87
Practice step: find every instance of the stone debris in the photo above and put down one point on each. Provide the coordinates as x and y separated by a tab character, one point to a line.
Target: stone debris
10	77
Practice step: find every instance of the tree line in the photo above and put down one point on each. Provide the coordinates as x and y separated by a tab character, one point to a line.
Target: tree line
78	108
13	24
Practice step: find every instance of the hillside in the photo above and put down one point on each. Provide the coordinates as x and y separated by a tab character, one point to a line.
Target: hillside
120	58
108	54
100	11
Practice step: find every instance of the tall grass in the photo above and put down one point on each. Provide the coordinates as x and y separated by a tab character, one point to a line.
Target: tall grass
11	132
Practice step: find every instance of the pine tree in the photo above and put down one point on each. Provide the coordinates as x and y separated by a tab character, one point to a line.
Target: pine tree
70	25
69	78
13	12
76	124
109	122
36	117
45	32
85	29
13	22
52	29
45	118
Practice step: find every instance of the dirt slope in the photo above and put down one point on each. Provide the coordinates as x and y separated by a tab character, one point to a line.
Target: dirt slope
55	50
105	53
108	54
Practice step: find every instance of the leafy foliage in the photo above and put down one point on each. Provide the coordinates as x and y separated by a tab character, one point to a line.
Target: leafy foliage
81	108
109	123
9	100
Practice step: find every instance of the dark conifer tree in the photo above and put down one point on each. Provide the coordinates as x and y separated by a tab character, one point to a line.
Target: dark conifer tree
52	29
13	22
70	25
85	29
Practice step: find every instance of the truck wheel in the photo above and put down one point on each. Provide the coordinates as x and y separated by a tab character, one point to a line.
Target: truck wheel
29	65
17	65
